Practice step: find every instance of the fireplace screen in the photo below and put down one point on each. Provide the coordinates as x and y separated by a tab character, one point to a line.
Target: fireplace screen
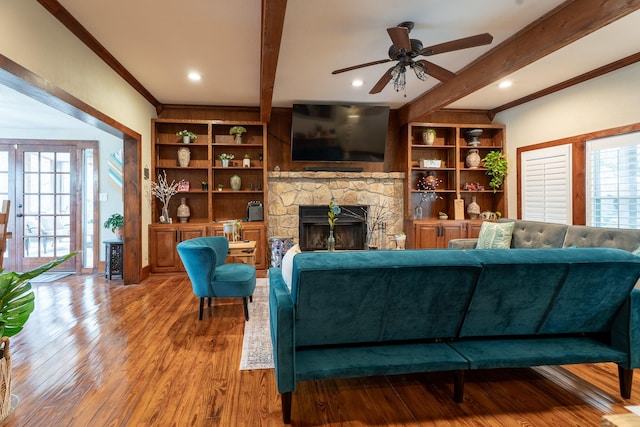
349	232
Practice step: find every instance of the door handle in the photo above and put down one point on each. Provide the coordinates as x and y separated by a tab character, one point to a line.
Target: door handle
19	215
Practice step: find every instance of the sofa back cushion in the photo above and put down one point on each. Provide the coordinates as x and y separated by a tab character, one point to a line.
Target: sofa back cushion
596	237
371	296
549	291
536	235
598	282
514	291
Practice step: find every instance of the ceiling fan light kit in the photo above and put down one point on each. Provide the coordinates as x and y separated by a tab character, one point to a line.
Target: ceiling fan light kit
405	50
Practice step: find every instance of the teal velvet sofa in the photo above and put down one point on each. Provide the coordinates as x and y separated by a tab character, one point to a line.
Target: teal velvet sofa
367	313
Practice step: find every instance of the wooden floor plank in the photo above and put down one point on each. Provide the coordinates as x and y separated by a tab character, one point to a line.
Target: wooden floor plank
98	353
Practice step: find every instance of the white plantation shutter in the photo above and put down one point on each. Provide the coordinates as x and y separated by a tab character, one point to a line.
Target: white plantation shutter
546	184
613	181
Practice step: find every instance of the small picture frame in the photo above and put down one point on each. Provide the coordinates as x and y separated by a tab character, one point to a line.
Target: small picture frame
184	186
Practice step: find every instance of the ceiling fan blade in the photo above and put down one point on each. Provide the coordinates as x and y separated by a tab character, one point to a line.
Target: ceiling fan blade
355	67
386	77
400	38
436	71
464	43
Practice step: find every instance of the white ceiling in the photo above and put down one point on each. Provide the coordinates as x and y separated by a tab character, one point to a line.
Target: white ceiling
159	42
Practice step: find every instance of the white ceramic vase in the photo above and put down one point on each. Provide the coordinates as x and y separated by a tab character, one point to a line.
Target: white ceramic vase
184	156
235	182
473	159
183	210
473	209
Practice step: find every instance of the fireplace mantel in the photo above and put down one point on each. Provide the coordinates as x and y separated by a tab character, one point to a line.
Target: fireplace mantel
336	175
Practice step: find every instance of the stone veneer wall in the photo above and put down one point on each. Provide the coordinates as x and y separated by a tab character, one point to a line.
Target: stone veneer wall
287	190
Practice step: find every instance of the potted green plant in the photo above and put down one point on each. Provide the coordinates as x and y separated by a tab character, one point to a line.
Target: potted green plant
187	136
496	164
237	131
115	223
224	158
220	187
443	215
17	302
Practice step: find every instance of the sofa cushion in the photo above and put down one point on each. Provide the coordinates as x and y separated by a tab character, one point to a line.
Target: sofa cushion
287	264
535	234
598	278
597	237
495	235
514	291
379	293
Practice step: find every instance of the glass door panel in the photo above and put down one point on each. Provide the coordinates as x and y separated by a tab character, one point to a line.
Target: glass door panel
47	215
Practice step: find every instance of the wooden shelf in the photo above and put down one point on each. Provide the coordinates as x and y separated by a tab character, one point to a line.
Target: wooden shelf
450	147
206	206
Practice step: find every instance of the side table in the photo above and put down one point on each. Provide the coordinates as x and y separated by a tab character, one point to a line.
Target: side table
114	258
244	252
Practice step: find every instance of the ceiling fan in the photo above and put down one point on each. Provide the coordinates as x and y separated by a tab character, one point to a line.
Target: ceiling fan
405	50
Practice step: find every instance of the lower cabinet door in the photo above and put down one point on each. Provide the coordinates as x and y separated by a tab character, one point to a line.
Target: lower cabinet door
426	235
438	233
163	239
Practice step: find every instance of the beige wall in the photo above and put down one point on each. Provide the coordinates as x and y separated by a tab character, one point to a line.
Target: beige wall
602	103
33	38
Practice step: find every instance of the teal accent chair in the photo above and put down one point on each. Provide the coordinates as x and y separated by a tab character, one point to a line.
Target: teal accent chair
203	259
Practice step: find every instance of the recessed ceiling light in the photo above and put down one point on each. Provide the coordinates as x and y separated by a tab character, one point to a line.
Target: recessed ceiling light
505	84
194	76
356	83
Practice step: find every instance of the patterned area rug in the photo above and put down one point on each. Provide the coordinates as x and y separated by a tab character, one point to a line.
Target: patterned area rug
256	345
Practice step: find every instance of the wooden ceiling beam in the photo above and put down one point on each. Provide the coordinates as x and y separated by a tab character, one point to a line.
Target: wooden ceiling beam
273	12
567	23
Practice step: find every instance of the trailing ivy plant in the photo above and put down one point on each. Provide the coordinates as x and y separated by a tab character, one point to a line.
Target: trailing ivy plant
496	164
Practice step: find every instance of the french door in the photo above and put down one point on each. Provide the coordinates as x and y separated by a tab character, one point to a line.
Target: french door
46	201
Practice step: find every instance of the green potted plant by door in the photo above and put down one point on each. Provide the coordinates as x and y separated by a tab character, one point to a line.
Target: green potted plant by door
17	302
237	132
115	223
496	164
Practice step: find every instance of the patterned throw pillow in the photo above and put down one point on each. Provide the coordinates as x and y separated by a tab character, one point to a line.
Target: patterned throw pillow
287	264
495	235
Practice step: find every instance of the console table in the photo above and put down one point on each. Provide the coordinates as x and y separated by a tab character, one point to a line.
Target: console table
114	258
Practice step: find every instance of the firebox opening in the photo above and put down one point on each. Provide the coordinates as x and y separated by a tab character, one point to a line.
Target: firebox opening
350	233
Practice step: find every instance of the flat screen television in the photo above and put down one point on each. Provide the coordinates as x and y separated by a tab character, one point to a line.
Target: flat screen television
338	133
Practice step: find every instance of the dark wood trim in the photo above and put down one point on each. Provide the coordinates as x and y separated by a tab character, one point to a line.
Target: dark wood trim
616	65
567	23
73	25
273	12
578	166
24	81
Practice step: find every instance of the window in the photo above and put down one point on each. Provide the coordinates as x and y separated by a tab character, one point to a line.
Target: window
546	184
613	181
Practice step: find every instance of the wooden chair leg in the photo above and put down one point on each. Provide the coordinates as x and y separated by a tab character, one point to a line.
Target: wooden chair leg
458	386
246	308
201	308
625	377
286	407
209	301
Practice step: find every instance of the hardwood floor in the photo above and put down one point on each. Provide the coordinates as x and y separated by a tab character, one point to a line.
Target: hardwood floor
99	353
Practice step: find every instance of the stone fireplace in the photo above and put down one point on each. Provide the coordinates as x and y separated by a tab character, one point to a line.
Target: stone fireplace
288	191
349	232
